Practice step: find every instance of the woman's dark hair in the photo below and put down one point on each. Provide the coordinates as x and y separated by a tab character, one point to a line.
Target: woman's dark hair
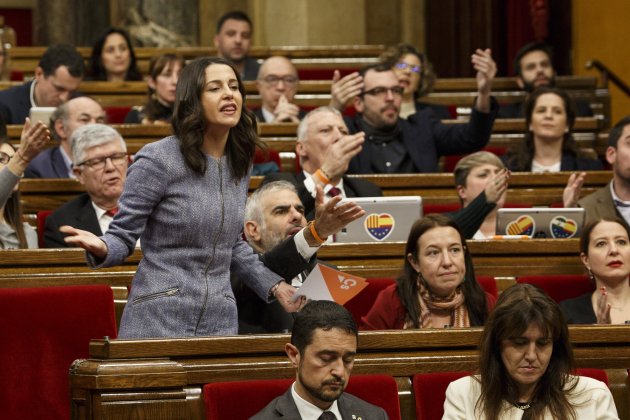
520	157
153	108
393	54
97	70
189	123
13	210
518	308
585	238
408	285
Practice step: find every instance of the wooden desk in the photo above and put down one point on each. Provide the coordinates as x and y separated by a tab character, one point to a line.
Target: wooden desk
140	378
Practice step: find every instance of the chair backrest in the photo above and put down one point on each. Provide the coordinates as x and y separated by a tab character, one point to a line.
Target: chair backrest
430	392
41	226
361	304
599	374
44	330
242	399
561	286
489	285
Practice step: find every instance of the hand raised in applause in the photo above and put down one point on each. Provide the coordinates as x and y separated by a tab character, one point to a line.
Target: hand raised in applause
497	186
340	153
602	307
572	191
344	89
486	69
286	111
86	240
34	139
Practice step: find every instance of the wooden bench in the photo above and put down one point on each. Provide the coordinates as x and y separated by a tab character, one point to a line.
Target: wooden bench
140	378
534	189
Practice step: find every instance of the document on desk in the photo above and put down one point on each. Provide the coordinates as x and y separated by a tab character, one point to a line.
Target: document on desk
325	283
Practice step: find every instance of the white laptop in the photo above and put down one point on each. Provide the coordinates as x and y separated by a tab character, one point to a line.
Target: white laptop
387	219
541	222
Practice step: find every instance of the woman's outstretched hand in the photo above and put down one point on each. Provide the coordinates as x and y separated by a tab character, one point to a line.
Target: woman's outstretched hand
86	240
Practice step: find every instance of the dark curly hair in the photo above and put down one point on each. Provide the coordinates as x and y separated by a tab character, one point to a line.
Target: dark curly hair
393	54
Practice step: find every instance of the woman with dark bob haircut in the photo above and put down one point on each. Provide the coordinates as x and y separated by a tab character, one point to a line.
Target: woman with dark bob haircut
185	198
437	287
525	365
113	58
549	145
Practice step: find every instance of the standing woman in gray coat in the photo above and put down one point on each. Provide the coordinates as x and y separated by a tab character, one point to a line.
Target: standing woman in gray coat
185	197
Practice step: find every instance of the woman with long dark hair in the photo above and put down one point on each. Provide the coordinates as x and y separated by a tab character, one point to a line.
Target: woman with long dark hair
549	145
525	365
185	198
437	287
113	58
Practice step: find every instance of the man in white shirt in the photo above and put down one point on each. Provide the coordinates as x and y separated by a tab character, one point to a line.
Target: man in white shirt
322	349
101	160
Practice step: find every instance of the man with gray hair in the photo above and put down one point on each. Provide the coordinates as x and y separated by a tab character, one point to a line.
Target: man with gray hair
56	162
100	156
324	149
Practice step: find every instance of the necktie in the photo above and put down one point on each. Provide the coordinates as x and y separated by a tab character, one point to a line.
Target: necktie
112	212
327	415
334	192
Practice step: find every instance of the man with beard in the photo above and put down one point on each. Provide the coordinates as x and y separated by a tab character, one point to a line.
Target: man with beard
613	201
233	40
395	145
322	349
534	68
274	213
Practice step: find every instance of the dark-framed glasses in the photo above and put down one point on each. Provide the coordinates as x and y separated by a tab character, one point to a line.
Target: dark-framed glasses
274	80
381	91
404	66
5	158
99	163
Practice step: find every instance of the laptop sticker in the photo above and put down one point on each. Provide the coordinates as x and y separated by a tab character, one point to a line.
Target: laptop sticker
379	226
524	225
562	228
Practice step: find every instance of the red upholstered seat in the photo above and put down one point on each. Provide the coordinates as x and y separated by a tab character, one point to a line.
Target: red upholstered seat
560	287
428	208
41	226
117	114
430	392
44	330
361	304
489	285
243	399
599	374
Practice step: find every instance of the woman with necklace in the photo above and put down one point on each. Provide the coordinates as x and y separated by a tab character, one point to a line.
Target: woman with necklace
525	364
605	252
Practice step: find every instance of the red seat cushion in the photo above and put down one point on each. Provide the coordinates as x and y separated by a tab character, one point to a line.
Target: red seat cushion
489	285
41	226
361	304
117	114
561	286
430	392
44	330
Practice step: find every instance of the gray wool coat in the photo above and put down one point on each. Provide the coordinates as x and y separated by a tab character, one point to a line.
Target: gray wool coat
190	230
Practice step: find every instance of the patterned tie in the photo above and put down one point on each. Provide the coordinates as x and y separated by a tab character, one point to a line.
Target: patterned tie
112	212
327	415
334	192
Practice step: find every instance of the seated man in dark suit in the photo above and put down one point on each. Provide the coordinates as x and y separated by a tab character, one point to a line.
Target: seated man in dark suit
534	68
394	145
57	77
322	349
56	162
100	156
277	84
324	150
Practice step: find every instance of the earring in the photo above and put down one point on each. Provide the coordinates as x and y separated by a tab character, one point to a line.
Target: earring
591	276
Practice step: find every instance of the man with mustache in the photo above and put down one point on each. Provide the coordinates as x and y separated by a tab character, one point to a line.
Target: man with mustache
534	68
322	350
100	164
395	145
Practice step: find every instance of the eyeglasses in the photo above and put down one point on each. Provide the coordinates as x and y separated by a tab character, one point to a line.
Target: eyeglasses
382	91
274	80
97	164
4	158
404	66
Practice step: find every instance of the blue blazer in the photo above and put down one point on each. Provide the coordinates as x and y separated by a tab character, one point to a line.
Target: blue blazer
48	164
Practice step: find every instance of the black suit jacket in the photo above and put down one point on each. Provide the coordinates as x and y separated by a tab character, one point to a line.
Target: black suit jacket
350	407
256	316
78	213
15	103
426	139
354	188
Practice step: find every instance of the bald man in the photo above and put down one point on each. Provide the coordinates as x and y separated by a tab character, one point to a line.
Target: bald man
56	162
277	84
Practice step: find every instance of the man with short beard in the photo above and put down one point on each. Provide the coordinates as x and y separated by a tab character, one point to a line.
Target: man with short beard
273	215
534	68
322	349
395	145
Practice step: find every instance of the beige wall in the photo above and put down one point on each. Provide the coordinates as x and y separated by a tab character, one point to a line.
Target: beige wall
601	31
